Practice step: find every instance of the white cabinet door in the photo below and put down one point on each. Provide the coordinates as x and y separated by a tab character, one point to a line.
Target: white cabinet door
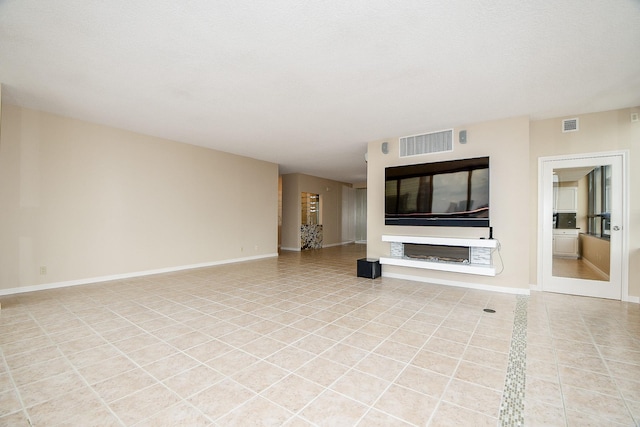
566	199
565	245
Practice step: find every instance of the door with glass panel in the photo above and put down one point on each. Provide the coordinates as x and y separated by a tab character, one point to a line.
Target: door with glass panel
581	219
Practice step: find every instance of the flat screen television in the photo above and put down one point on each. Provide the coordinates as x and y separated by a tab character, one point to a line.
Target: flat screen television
453	193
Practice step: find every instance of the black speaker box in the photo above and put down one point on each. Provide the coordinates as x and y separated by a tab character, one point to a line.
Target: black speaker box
369	268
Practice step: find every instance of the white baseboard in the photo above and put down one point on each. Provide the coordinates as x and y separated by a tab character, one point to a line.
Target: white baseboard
516	291
323	246
628	298
338	244
87	281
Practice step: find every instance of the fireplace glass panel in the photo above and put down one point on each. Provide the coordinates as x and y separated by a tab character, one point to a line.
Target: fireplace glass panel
437	252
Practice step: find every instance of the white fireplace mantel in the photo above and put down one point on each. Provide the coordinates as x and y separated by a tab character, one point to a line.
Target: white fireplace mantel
469	268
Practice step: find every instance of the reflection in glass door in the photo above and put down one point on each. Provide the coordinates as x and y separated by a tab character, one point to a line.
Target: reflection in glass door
311	236
581	218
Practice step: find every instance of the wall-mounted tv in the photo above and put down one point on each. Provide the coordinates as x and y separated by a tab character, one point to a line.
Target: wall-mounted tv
453	193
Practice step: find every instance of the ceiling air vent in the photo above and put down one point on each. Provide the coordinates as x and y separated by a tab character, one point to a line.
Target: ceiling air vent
570	125
435	142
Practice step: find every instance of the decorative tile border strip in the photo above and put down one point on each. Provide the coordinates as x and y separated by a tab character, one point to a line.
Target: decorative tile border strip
512	405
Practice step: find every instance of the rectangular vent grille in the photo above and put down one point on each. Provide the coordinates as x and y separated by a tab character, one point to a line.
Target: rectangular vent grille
436	142
570	125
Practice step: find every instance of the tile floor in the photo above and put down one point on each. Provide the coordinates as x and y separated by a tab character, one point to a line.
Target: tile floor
298	340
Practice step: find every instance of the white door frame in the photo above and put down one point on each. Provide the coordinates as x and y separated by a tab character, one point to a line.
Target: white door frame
544	220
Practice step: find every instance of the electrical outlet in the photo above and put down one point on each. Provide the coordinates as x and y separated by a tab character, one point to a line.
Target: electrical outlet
634	117
43	270
241	249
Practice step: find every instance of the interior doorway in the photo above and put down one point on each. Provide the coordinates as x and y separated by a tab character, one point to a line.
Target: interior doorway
581	223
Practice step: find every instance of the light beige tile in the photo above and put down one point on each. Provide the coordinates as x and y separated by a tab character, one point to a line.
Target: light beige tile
240	337
359	386
423	381
151	353
143	403
501	345
446	347
221	398
380	366
586	379
436	362
581	419
376	329
15	419
193	380
378	418
448	415
542	369
408	405
263	347
5	382
256	412
573	346
396	351
189	340
99	371
322	371
38	355
64	407
333	410
288	335
543	390
481	356
481	375
39	371
410	338
98	416
293	392
630	371
208	350
363	341
539	413
51	387
232	362
81	344
137	342
473	397
290	358
590	402
461	336
345	354
27	345
629	388
259	376
169	366
123	384
9	403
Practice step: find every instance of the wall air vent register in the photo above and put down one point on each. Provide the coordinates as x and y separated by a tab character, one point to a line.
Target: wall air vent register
427	143
570	125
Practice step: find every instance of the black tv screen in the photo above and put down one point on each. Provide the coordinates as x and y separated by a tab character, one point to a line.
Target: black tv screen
454	193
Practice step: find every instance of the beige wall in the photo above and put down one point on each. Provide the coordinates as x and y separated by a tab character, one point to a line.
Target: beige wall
332	208
598	132
89	201
507	144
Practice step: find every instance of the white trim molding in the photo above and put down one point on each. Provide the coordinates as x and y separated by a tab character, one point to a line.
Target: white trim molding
90	280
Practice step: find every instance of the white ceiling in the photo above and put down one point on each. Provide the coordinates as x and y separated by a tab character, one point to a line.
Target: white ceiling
307	83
